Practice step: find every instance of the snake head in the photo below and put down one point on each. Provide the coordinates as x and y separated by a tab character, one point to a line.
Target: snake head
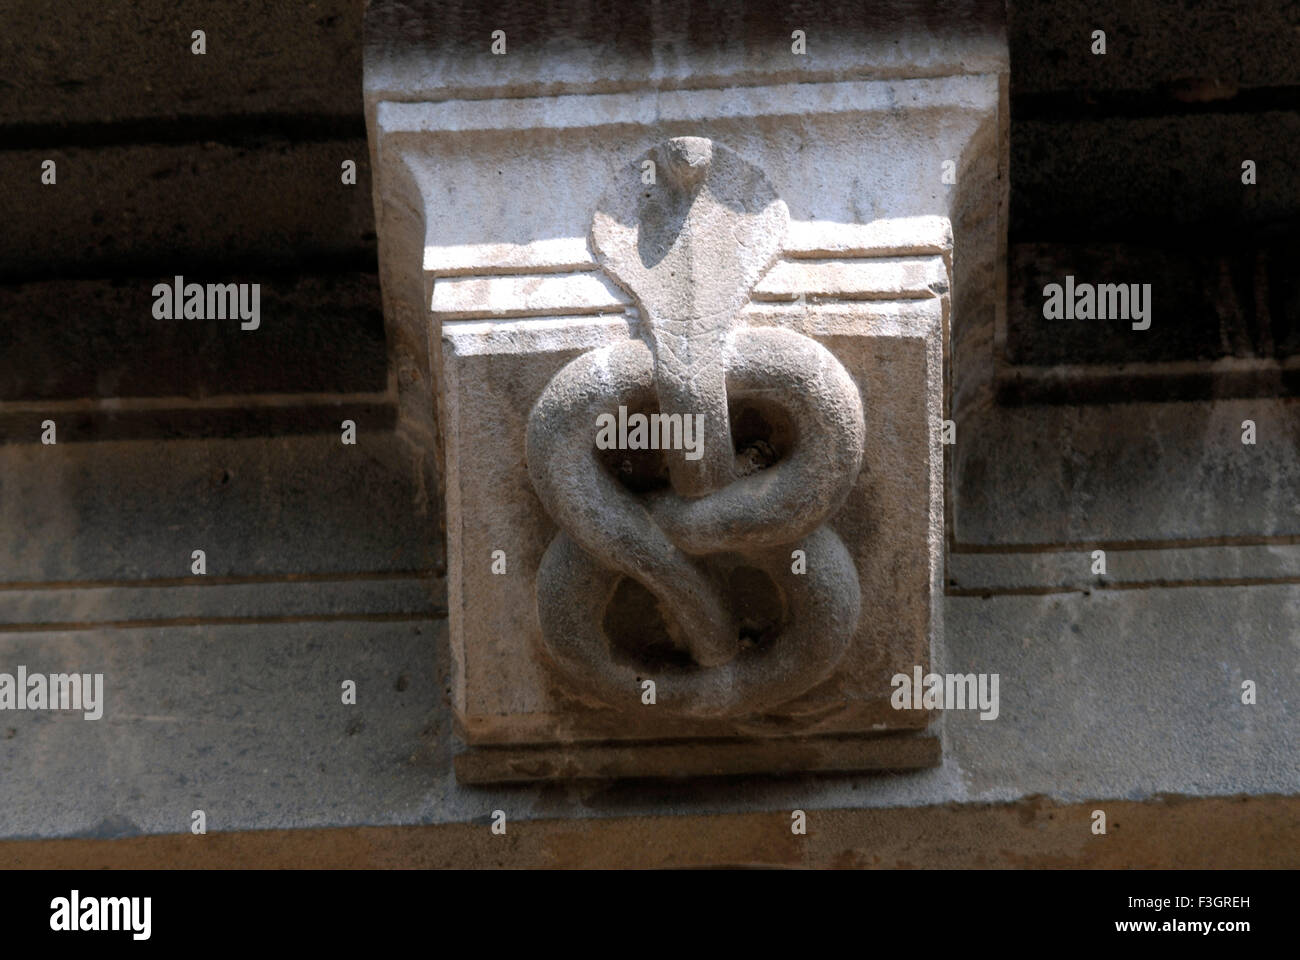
691	245
685	160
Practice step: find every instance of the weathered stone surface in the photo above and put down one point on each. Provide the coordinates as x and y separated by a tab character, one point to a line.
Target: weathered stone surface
689	248
249	726
583	46
446	170
186	602
761	517
1144	474
1197	51
784	756
70	339
195	207
223	417
111	62
504	692
272	506
1129	692
1233	833
1207	303
1155	178
978	574
880	278
251	714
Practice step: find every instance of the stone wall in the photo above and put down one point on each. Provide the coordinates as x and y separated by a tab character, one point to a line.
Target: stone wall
326	563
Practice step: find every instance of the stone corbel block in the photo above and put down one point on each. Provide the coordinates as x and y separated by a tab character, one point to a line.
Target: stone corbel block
772	277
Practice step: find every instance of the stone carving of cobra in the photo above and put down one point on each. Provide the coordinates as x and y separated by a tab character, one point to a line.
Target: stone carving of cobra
689	249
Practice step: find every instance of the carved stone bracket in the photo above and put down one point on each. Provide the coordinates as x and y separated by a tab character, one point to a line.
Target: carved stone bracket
761	277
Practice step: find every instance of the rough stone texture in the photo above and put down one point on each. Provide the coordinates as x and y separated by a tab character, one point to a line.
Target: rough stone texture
196	207
280	506
506	693
70	339
95	63
1142	474
248	718
754	515
1224	833
252	713
1155	177
224	165
1123	688
1198	49
690	250
1142	446
1224	301
443	50
460	190
689	247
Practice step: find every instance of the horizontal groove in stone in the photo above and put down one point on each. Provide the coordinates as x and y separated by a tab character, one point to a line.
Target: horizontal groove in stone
969	573
1223	302
848	317
95	607
232	130
594	111
845	277
888	237
195	582
149	620
1148	383
685	759
826	283
1166	100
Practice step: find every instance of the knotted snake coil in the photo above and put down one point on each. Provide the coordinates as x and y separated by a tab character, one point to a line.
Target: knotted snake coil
689	249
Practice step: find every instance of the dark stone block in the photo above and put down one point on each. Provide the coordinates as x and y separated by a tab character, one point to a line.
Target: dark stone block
96	62
62	340
1194	48
1152	177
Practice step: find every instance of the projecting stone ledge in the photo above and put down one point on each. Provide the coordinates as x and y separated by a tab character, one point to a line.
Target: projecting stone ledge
681	760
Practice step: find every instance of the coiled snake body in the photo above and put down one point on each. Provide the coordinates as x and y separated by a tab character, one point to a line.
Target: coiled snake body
689	249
